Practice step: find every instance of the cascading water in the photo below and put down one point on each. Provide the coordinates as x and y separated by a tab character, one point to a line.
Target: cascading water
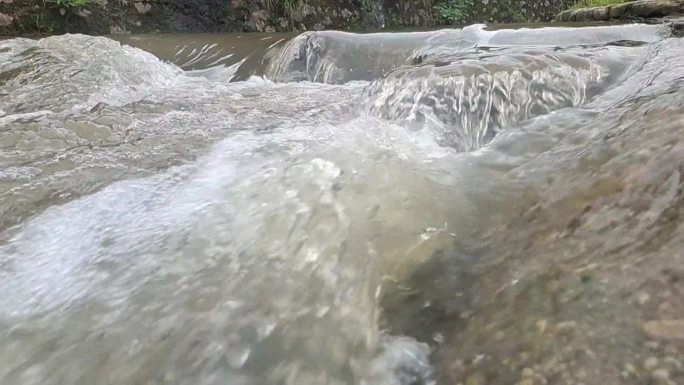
270	214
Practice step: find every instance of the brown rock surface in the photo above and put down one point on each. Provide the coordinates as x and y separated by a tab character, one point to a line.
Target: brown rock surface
630	10
666	329
5	20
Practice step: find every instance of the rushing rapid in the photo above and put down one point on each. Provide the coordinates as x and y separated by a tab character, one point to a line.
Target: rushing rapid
327	208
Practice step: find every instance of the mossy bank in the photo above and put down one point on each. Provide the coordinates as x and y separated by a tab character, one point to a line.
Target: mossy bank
19	17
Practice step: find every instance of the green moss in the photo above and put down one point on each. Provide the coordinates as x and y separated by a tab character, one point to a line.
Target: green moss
38	23
64	5
394	20
596	3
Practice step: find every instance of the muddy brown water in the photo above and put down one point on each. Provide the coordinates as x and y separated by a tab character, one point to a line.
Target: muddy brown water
475	206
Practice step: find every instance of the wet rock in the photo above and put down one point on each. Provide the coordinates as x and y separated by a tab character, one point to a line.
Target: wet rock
616	11
476	378
671	350
652	345
666	329
258	21
566	327
661	375
142	8
564	16
581	374
580	15
630	10
650	363
116	30
630	371
672	363
600	14
527	373
456	370
654	8
642	298
574	15
308	10
542	324
570	15
5	20
678	27
83	13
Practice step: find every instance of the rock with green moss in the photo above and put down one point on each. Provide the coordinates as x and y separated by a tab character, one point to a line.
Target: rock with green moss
619	10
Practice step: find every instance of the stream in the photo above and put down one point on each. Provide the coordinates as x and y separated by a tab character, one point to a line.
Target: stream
329	208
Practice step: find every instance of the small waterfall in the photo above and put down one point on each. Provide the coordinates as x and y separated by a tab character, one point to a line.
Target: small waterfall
470	98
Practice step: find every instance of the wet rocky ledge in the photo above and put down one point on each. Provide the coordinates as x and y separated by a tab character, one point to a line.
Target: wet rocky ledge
582	288
655	10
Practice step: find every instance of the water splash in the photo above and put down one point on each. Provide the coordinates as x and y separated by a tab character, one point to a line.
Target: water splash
339	57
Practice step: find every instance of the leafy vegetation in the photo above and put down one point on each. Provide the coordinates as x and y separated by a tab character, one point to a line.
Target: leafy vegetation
288	7
365	4
515	16
596	3
453	11
41	25
291	6
64	5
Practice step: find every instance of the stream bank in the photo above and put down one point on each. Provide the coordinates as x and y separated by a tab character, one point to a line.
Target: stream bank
100	17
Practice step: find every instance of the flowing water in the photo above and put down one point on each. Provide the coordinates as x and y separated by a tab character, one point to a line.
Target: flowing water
327	208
